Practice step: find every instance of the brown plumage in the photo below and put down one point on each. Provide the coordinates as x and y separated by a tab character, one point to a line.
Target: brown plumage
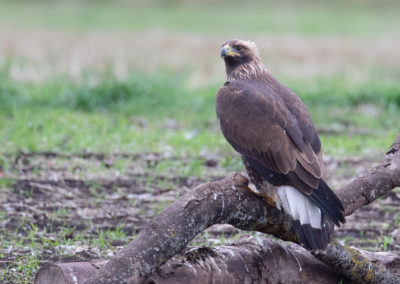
270	127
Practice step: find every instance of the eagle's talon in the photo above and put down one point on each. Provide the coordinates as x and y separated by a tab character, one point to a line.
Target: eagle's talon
268	199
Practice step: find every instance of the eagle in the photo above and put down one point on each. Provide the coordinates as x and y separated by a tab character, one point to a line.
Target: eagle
269	126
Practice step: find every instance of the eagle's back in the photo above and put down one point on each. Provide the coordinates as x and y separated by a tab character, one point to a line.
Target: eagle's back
270	127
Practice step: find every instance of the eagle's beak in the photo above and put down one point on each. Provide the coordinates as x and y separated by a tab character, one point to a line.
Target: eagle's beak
227	51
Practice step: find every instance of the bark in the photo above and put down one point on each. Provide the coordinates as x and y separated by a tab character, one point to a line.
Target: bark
224	201
357	265
68	273
247	260
229	201
379	181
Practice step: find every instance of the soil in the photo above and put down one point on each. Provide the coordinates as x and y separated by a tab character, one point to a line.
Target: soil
64	207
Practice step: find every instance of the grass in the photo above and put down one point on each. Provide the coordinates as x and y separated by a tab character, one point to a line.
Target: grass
163	113
238	17
31	244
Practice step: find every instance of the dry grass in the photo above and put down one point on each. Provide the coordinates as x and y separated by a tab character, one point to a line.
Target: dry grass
41	55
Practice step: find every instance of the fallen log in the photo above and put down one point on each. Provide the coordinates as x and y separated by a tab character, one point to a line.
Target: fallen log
229	201
250	259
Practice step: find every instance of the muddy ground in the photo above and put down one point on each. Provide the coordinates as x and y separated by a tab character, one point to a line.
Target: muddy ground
62	207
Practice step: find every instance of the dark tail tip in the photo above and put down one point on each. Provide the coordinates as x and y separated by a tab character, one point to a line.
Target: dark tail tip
312	238
328	202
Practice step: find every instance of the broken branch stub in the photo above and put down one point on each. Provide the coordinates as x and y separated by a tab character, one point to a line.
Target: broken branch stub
379	181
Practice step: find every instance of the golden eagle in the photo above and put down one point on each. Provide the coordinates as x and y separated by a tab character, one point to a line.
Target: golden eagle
270	127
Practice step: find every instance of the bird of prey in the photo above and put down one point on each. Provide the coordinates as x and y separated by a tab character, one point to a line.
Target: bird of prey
270	127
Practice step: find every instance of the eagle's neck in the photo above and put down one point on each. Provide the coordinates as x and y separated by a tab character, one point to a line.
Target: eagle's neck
247	71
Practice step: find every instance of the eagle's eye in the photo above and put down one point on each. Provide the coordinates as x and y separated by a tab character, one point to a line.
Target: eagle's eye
238	48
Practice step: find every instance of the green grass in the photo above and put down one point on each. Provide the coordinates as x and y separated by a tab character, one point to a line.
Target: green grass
31	243
132	115
163	113
229	17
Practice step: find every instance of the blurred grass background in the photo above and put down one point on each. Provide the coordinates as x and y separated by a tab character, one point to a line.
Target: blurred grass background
350	18
142	75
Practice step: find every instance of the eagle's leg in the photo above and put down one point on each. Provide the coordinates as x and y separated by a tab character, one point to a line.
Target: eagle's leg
253	188
258	185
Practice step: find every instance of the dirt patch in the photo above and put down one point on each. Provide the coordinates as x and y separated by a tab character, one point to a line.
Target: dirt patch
63	207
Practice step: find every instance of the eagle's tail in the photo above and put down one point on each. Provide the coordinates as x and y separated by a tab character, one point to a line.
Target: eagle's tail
328	202
309	222
313	238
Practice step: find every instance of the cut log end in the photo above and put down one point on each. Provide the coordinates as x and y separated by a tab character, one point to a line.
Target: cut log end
67	273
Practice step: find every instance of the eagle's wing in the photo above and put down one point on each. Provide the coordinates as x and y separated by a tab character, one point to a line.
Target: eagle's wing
259	125
270	126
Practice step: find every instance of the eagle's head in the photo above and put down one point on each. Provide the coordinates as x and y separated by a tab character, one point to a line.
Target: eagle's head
241	57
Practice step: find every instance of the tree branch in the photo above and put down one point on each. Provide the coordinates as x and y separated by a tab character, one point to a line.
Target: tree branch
356	264
229	201
224	201
379	181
